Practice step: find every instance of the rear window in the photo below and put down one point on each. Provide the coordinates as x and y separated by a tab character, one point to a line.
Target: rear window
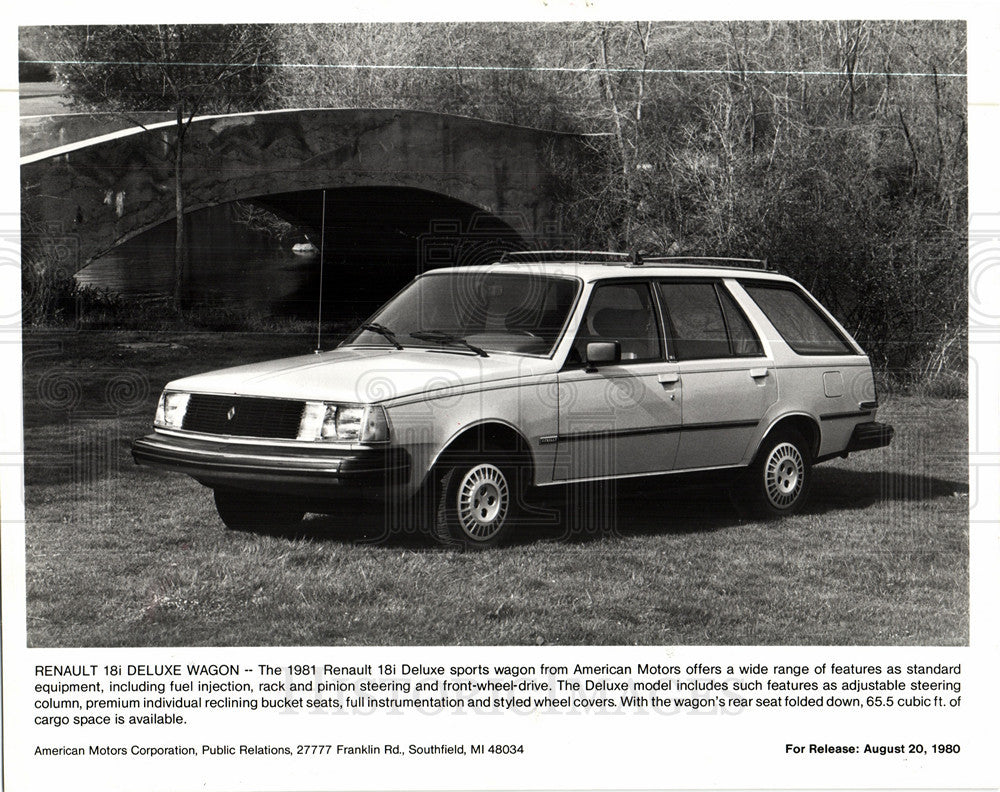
804	328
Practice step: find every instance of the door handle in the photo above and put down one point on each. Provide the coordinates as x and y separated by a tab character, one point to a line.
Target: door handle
669	378
757	373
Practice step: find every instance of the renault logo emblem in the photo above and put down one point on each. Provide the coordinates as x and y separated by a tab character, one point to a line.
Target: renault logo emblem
231	413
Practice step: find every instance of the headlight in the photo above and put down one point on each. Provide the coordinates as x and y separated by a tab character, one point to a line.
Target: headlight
347	423
171	409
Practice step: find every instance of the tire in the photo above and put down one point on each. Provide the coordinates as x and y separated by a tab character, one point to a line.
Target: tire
779	478
478	501
248	511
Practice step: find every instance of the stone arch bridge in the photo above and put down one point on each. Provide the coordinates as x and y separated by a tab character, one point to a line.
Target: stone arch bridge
97	192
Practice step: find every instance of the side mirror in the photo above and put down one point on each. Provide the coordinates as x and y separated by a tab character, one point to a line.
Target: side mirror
603	352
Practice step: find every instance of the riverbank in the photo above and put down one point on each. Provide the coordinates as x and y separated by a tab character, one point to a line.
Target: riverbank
54	302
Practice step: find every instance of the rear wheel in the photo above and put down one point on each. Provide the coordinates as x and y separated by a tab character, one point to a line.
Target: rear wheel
778	480
249	511
477	502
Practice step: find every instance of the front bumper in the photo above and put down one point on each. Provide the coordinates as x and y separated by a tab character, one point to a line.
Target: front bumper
281	469
871	434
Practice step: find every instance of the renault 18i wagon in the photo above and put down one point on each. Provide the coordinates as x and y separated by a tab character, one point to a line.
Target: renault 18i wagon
473	385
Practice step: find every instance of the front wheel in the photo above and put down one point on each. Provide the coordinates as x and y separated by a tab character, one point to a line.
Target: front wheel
778	481
476	503
249	511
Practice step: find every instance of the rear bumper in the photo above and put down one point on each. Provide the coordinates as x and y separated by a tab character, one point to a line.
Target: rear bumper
318	472
870	435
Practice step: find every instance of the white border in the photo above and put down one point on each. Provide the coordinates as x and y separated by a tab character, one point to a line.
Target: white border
695	756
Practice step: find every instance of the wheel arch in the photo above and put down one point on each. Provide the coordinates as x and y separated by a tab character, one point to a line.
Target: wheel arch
487	435
803	423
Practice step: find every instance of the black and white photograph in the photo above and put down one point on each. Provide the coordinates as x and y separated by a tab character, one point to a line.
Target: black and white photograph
562	397
678	340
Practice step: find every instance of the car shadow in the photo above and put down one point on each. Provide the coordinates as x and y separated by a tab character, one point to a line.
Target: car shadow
835	489
568	515
358	524
640	510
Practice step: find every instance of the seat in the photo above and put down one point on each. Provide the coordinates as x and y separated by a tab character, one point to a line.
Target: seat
628	326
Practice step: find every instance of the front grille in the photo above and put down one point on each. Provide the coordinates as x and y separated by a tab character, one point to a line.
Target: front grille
251	417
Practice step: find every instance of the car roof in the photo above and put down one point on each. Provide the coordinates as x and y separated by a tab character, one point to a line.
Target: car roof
603	270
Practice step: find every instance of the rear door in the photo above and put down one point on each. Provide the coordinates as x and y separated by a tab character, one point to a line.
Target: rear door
728	381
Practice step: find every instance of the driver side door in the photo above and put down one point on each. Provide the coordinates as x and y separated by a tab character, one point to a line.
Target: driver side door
619	418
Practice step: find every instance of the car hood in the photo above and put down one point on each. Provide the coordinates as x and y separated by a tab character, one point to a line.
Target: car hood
365	375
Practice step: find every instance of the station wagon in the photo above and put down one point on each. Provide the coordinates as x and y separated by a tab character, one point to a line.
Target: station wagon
475	386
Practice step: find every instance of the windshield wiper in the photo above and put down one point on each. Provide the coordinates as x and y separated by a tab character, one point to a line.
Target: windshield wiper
384	331
447	338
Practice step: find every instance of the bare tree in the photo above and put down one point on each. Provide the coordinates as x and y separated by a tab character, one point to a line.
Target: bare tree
186	69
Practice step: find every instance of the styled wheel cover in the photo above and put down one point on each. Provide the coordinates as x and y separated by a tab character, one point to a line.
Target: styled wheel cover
784	475
483	501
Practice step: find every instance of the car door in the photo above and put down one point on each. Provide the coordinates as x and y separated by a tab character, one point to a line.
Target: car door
620	418
728	381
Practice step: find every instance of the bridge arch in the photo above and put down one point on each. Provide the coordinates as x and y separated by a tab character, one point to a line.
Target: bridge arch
376	239
101	192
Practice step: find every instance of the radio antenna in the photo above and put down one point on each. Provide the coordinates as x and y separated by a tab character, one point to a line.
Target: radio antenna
322	246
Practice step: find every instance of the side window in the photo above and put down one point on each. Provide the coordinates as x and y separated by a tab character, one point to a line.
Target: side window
697	328
741	335
620	312
705	322
805	330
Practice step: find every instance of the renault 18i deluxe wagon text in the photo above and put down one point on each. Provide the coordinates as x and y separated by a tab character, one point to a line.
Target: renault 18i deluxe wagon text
475	384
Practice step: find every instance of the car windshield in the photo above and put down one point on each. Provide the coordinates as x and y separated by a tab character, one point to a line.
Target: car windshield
522	313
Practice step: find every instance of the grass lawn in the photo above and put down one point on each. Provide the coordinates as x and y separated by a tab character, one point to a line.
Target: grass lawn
119	555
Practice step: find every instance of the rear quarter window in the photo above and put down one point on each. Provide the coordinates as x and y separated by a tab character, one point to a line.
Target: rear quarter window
802	327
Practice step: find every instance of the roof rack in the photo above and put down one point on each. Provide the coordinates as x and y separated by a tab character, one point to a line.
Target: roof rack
722	261
563	255
635	259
